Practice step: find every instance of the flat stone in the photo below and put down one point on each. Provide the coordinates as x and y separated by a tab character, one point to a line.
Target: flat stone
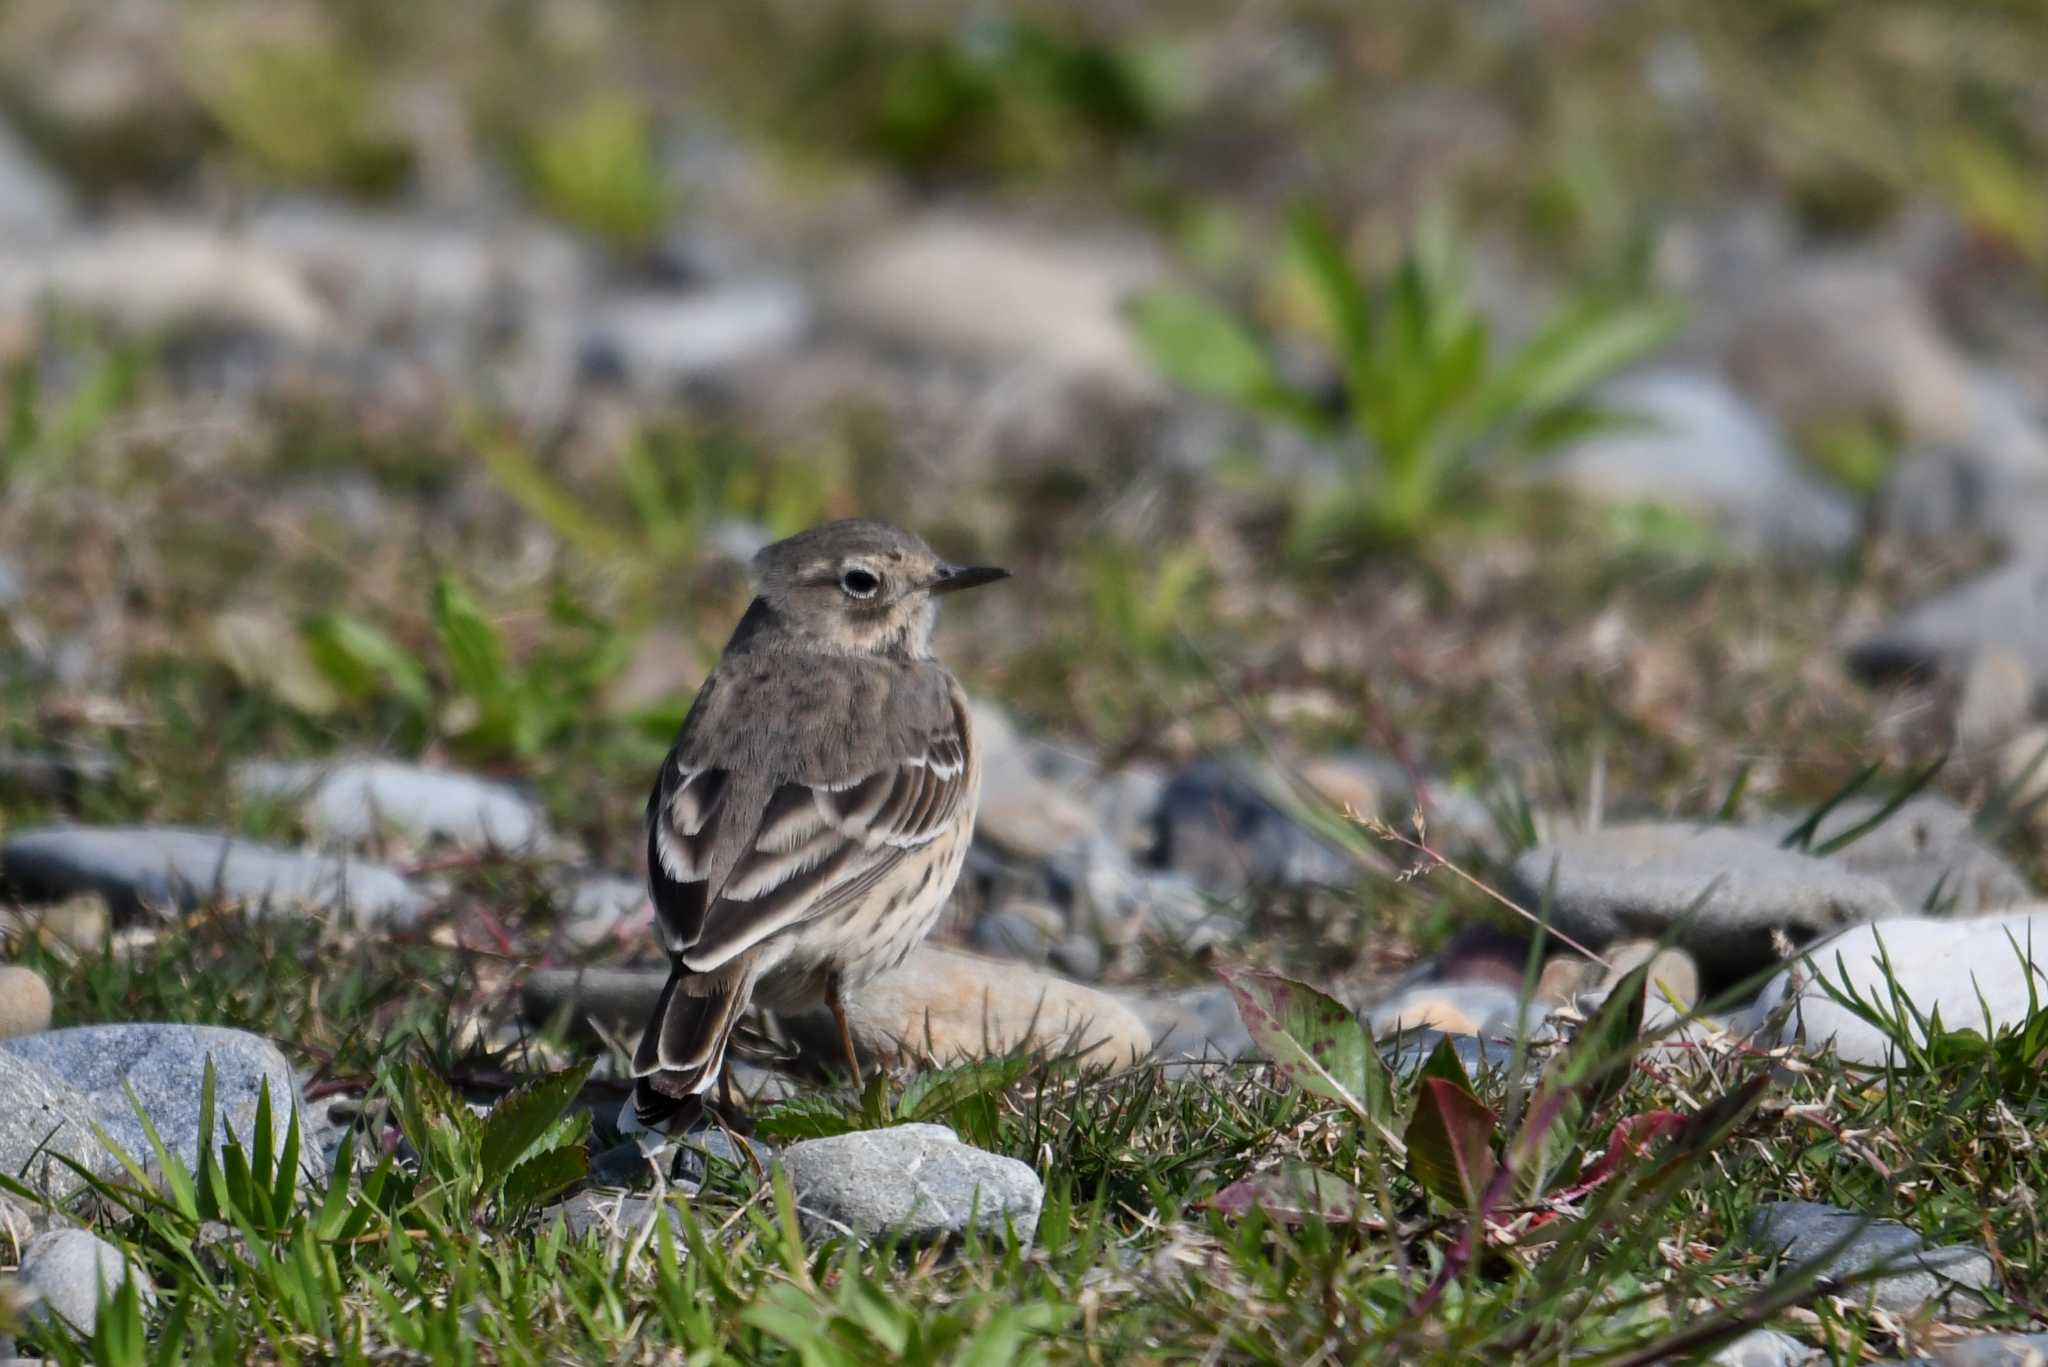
64	1272
1927	852
954	1006
355	800
165	1067
616	996
2005	609
1218	829
915	1182
1705	452
1724	891
1909	1275
1995	1350
138	867
1963	968
1990	480
1762	1348
24	1001
45	1117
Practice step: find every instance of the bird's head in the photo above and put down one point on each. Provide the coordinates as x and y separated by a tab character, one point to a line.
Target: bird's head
861	587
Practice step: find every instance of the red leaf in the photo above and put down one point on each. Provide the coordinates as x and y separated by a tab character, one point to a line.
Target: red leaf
1450	1143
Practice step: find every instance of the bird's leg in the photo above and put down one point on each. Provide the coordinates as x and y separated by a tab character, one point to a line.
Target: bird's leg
725	1086
838	1001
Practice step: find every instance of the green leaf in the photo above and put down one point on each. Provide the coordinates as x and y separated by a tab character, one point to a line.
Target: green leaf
805	1117
1204	349
1343	298
931	1095
519	1120
544	1174
362	661
1316	1043
1450	1143
1293	1193
476	657
1583	346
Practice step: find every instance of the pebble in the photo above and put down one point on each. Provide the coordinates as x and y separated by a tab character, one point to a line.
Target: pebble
1961	968
1201	1024
1914	1276
1021	814
1994	1350
658	341
64	1271
356	800
1991	481
53	773
139	867
1125	806
2005	609
1723	891
1927	852
958	1006
1456	1008
1216	828
45	1116
1079	957
1761	1348
915	1182
1707	453
24	1001
34	204
1478	1053
164	1066
597	908
615	1215
2023	771
1673	989
1010	934
80	923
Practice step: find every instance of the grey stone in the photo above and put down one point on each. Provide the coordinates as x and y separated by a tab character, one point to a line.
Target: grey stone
1964	969
1927	852
656	342
1219	830
1879	1261
45	1117
1726	891
1119	902
1702	450
1079	957
137	867
1990	481
1021	814
165	1066
357	799
2005	609
618	996
1478	1053
1126	803
33	203
1995	1350
65	1270
616	1216
1762	1348
595	908
55	773
916	1182
1467	1008
1009	935
24	1001
1200	1024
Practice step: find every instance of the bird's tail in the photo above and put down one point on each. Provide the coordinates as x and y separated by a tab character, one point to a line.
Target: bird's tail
683	1049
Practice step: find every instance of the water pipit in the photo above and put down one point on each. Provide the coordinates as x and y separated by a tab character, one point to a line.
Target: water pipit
810	822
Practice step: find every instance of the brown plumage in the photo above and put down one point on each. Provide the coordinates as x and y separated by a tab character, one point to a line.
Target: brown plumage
809	824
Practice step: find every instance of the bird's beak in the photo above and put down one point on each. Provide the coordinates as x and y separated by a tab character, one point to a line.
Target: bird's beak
953	578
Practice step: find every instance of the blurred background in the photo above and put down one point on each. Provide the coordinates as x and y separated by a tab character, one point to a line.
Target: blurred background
1503	409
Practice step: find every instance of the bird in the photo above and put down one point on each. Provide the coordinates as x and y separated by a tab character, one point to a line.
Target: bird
806	829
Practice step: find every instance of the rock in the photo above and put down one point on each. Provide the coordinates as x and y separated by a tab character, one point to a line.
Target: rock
1705	452
1963	968
1727	891
998	296
1995	1350
2006	610
1201	1024
1126	804
1996	702
1989	481
1927	852
65	1272
1565	977
139	867
597	908
1478	1053
623	997
1761	1348
355	800
34	205
45	1116
914	1182
616	1216
56	773
1079	957
1118	903
78	923
1221	832
1882	1261
1021	814
24	1001
165	1067
167	277
1468	1008
1009	934
1851	337
656	342
2023	772
956	1006
1673	989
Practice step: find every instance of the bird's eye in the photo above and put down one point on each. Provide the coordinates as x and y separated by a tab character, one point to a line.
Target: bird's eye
860	583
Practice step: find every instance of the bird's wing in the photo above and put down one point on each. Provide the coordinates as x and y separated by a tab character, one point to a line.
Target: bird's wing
786	798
